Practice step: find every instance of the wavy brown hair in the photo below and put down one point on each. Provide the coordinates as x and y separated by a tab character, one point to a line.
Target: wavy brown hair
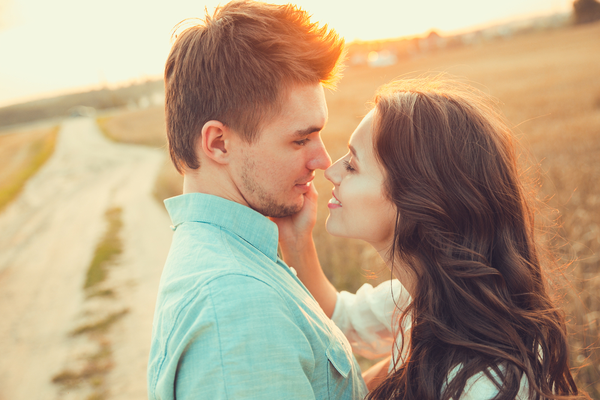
465	231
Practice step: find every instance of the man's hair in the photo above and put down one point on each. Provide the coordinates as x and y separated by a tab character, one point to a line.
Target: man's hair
237	66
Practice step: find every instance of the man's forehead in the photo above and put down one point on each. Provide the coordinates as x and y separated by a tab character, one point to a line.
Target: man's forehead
303	111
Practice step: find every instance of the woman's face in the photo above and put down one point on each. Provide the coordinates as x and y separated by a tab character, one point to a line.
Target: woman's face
358	207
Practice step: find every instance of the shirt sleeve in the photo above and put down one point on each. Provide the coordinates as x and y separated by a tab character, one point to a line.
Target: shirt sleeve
245	345
367	317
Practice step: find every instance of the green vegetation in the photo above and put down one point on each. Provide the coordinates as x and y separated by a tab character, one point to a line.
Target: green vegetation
93	373
101	293
62	106
109	247
97	365
101	325
38	153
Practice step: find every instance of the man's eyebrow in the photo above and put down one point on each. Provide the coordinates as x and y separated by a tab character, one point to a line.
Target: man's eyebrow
353	151
307	131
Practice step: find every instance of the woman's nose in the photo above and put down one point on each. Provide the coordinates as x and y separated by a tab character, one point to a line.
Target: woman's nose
333	173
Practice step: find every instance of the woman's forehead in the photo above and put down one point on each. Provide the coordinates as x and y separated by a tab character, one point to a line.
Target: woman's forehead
361	143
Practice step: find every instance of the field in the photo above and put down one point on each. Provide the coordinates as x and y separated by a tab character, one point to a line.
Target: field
22	153
548	87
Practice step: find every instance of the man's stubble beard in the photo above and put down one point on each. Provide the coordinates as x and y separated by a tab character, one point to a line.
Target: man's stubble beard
265	203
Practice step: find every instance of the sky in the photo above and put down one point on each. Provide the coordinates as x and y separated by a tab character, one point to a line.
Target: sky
49	47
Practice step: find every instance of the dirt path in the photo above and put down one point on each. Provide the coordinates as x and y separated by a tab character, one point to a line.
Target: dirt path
47	239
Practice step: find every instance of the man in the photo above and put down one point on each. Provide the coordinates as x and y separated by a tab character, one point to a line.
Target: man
244	108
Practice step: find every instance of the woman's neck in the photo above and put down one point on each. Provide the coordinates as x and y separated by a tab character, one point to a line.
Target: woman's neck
400	270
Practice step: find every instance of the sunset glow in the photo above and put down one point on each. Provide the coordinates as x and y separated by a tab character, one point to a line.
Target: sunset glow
47	47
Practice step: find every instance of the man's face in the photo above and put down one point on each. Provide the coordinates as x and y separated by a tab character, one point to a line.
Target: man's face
273	173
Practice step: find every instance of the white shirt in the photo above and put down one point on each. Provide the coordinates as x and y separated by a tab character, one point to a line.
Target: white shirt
366	318
369	318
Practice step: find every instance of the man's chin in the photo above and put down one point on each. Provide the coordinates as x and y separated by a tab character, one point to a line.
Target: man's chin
284	211
276	210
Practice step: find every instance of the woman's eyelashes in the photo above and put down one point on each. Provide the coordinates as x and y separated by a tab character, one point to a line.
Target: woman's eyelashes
348	166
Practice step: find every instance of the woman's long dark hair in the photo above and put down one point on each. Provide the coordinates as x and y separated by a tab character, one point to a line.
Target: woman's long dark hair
465	231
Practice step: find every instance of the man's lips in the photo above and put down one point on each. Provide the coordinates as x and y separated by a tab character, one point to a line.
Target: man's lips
306	181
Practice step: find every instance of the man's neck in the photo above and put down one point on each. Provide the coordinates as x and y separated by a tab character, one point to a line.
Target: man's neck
213	182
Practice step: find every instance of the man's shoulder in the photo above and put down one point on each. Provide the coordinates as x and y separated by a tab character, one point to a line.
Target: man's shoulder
205	249
246	287
218	305
217	288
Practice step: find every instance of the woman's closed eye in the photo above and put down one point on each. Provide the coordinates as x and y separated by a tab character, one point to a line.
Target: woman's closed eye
348	166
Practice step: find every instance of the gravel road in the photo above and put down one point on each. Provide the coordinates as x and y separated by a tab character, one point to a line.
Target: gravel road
47	239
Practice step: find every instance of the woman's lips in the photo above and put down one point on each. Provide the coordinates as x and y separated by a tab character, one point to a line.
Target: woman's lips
334	202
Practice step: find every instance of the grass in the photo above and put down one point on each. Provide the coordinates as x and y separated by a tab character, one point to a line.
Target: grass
102	325
101	293
92	374
22	154
168	183
106	251
96	366
549	89
145	127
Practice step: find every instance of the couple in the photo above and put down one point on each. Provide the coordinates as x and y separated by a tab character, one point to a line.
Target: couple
430	180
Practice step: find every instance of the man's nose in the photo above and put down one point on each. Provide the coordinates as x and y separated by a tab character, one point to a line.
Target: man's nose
320	158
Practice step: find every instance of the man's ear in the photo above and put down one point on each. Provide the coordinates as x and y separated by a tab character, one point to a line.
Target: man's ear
216	141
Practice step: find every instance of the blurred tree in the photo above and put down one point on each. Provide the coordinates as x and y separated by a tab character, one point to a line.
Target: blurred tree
586	11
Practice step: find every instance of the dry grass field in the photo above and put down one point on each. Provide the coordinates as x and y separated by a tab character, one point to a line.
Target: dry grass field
548	86
145	127
21	155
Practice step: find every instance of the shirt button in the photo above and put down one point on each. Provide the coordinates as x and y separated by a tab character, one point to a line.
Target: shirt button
173	227
293	271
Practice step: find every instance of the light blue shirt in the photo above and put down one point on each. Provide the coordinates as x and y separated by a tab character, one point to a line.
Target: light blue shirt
232	321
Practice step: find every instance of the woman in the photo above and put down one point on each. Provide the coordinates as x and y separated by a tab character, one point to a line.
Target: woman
431	181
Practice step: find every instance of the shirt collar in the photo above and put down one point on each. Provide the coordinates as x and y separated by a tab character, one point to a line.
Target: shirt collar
242	221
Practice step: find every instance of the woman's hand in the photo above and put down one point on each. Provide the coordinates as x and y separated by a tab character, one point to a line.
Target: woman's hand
298	251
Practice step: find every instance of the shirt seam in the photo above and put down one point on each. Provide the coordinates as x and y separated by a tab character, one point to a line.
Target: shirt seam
275	289
240	264
224	230
230	231
167	344
277	292
219	338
